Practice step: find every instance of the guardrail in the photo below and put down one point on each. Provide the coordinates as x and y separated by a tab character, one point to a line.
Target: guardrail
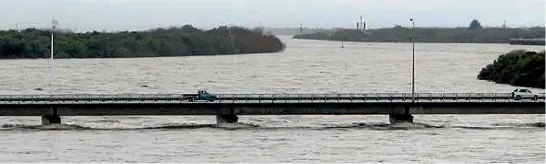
301	101
182	97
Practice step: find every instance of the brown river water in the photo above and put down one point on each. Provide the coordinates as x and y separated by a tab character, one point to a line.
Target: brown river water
304	67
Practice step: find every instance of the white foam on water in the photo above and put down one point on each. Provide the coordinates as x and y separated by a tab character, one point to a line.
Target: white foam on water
57	127
234	125
407	125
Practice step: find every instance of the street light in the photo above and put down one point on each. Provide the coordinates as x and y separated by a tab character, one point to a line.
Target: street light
54	24
413	62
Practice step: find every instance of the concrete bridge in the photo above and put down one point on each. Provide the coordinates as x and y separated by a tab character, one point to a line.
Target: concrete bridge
399	106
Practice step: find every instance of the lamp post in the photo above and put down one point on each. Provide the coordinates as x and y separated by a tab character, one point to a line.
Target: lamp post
51	57
53	26
413	61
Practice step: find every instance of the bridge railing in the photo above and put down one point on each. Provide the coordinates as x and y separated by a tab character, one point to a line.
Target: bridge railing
324	96
369	95
90	97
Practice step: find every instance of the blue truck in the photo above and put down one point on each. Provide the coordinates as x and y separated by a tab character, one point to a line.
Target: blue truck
202	95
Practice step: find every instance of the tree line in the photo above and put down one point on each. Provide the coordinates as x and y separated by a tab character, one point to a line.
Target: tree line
433	35
175	41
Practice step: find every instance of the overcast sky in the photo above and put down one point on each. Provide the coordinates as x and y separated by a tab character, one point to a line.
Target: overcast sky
84	15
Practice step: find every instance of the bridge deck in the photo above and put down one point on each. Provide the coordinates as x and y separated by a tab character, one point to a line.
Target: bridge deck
267	104
316	101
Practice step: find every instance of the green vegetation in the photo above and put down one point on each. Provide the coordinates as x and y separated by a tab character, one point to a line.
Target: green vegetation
475	24
519	68
175	41
474	33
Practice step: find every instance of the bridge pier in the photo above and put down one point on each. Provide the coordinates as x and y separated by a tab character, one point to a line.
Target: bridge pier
51	119
227	116
399	115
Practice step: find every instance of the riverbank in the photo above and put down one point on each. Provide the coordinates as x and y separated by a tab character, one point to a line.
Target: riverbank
518	68
428	35
175	41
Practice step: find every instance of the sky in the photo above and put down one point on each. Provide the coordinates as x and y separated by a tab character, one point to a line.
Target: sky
113	15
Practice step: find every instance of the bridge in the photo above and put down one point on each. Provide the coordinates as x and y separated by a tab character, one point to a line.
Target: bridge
399	106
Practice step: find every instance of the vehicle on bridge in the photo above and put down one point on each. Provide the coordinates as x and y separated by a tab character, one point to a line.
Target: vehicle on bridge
522	93
203	95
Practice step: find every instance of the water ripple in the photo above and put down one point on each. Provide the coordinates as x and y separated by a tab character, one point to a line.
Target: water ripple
247	126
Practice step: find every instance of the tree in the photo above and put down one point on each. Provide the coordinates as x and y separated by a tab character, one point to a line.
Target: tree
519	68
475	24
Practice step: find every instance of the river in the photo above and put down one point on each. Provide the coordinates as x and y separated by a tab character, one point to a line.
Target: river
306	66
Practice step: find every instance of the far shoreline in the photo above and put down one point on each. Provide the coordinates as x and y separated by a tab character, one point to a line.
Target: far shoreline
417	42
399	34
499	43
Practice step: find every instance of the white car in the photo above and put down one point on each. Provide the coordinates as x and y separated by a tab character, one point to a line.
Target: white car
522	93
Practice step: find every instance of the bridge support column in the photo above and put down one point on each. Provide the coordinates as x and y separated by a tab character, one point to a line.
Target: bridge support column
227	116
399	115
51	119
